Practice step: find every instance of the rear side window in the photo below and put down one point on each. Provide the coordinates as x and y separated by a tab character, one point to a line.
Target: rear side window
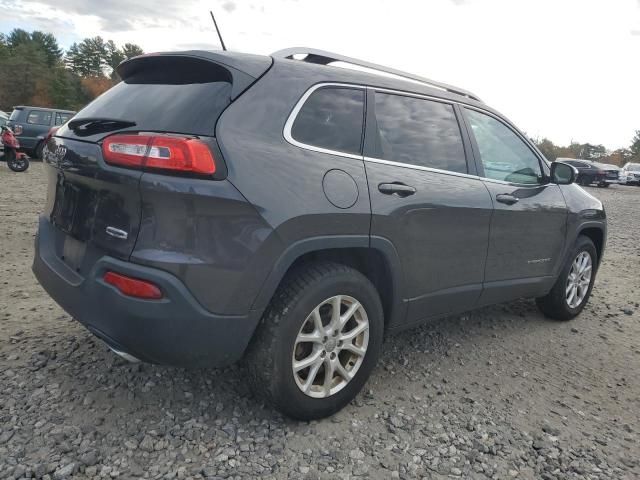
419	132
39	117
179	98
332	118
62	118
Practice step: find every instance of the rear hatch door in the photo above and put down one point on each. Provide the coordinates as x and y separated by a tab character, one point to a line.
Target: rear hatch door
92	203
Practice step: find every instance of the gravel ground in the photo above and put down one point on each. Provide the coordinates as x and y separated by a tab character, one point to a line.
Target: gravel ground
498	393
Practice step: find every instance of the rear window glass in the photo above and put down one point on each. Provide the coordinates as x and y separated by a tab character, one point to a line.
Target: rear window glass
39	117
164	104
62	118
332	118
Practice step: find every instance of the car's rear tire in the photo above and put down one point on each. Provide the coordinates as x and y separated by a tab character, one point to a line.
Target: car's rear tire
300	340
37	152
573	287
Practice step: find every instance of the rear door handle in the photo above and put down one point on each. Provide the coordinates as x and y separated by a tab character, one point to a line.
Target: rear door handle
506	198
399	189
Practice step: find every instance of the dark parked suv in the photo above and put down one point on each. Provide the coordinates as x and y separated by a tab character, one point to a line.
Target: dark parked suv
32	124
216	206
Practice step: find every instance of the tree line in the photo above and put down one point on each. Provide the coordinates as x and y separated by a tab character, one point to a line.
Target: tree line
34	70
588	151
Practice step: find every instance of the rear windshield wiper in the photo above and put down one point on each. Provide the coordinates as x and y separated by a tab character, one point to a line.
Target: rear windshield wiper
90	126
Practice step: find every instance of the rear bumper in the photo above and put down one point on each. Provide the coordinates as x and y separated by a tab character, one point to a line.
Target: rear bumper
175	330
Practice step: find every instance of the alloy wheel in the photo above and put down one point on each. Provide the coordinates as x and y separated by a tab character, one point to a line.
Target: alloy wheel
579	280
330	346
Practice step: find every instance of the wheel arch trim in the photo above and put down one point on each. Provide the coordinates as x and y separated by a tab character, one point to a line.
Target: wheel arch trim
595	226
317	244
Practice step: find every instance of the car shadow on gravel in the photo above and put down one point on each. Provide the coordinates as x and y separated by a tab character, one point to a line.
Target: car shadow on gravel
103	387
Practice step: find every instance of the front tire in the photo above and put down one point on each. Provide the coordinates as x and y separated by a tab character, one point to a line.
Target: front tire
318	341
573	287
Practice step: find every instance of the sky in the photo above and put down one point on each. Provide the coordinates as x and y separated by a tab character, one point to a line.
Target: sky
567	70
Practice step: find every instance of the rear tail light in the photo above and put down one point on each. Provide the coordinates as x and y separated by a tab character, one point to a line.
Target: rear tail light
160	152
133	287
17	129
52	132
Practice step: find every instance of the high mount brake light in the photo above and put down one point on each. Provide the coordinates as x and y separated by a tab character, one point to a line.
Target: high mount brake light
161	152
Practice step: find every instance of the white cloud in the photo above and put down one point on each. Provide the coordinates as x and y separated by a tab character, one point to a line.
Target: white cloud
566	70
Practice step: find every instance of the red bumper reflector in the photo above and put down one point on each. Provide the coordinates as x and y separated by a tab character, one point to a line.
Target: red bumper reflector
133	287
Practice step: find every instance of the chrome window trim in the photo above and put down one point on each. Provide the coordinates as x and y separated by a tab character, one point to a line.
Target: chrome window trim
417	95
450	172
420	167
294	114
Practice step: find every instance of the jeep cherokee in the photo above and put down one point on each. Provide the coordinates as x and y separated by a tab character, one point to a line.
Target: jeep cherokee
215	206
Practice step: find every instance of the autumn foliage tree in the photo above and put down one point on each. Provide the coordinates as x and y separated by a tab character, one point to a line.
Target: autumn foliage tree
588	151
34	70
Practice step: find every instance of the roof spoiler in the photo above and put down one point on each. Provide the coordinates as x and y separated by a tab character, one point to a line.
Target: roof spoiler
196	66
321	57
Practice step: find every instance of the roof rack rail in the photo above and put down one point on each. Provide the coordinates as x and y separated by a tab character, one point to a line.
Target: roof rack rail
322	57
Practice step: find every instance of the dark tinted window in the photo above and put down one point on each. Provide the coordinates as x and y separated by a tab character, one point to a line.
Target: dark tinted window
576	164
62	118
503	153
420	132
39	117
191	108
332	118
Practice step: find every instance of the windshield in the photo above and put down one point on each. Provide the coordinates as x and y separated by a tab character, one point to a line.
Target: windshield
15	114
633	167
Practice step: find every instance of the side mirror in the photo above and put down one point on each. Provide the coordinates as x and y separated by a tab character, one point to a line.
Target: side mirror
563	173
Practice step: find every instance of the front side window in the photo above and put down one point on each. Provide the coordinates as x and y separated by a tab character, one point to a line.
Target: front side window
332	118
503	154
62	118
419	132
576	164
39	117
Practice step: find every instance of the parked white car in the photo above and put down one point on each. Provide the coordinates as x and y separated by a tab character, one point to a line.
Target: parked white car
631	173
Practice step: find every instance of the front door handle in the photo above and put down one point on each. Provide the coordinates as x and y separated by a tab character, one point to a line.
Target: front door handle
399	189
506	198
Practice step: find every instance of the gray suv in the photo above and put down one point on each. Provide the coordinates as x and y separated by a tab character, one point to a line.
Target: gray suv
32	124
215	206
